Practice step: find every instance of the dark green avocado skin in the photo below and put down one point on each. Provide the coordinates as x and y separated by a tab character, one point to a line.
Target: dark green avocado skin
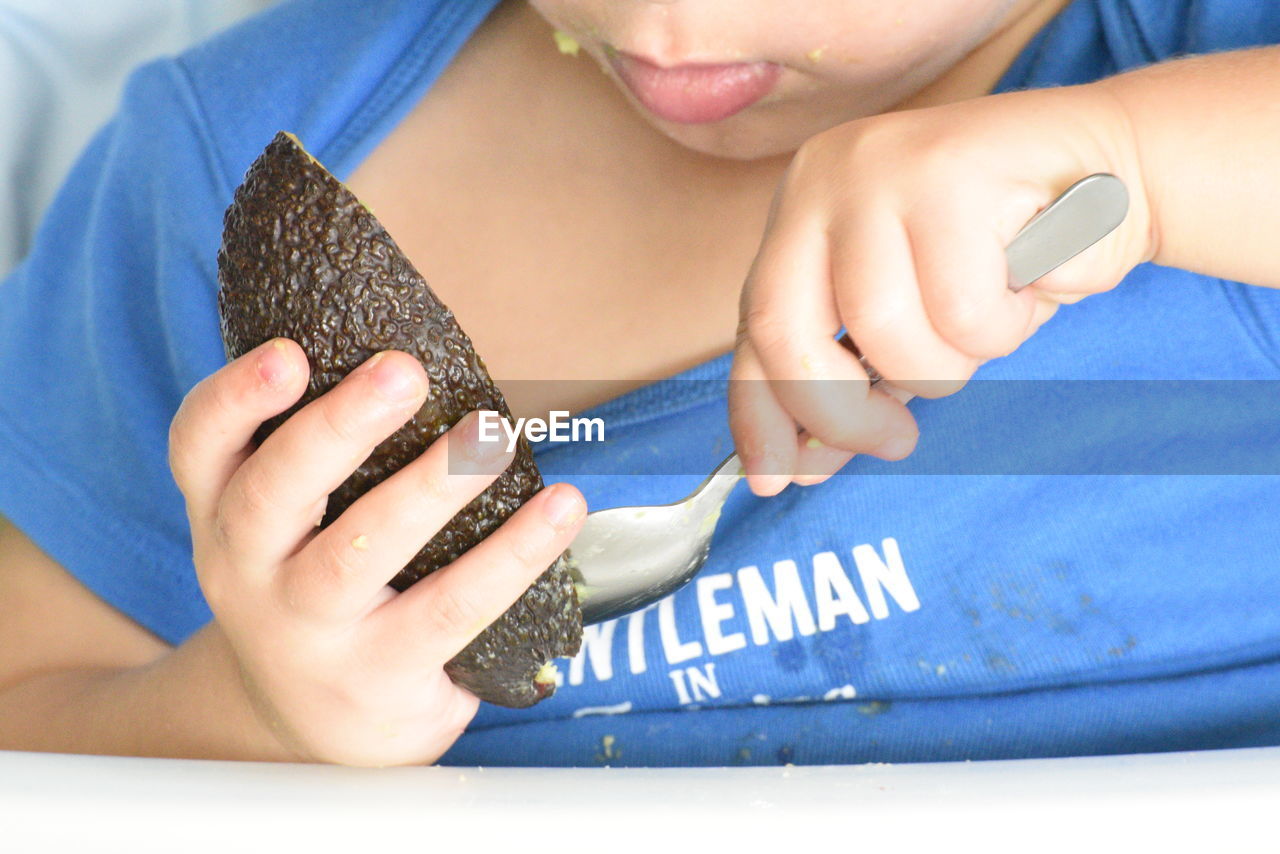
302	258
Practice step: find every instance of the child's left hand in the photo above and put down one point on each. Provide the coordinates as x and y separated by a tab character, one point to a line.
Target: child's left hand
894	227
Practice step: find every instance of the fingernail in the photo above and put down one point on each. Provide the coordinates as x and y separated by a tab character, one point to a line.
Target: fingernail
275	368
765	474
895	448
563	507
396	383
478	448
768	485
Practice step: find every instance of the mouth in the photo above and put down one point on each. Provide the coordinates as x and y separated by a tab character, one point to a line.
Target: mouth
695	93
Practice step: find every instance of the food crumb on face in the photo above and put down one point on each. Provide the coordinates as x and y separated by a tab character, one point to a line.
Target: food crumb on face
813	442
360	543
815	55
566	43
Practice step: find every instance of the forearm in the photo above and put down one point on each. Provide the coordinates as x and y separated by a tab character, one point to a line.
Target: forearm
188	704
1206	134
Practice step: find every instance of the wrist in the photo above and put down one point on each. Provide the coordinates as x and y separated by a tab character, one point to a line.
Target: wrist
215	706
250	729
1122	141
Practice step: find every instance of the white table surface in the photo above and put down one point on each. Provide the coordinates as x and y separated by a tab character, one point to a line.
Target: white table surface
1206	801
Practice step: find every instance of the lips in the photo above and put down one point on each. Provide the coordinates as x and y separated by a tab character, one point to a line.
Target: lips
695	93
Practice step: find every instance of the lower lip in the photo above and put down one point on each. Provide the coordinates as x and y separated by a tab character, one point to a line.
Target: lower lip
695	94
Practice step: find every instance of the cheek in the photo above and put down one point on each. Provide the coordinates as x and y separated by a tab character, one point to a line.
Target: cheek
579	17
876	39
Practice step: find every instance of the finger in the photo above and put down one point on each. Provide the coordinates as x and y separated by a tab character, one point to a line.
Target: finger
212	433
790	318
435	618
817	462
1044	311
964	279
278	495
1096	269
763	433
1058	297
880	302
341	574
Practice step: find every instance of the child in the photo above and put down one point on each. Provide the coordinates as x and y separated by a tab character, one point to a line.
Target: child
597	228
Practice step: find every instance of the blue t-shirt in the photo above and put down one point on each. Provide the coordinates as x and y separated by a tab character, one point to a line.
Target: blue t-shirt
1043	584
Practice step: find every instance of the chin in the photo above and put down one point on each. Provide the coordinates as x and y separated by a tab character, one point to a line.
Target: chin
741	137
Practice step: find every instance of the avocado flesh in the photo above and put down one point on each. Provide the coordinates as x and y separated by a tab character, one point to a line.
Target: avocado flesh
302	258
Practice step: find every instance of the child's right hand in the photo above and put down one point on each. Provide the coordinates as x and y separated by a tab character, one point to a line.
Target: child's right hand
338	665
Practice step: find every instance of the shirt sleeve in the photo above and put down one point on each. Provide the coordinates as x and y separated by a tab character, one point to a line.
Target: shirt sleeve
105	326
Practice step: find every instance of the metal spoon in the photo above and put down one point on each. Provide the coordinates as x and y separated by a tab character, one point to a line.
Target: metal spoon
628	557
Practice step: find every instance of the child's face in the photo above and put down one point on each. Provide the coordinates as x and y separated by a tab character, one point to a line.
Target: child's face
786	70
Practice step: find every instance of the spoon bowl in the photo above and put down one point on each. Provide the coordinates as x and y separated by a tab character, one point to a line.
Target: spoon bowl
629	557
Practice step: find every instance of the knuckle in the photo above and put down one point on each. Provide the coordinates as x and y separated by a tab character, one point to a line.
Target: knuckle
430	485
838	140
766	331
878	337
337	421
873	323
522	550
453	612
936	157
251	493
851	432
244	503
872	138
337	564
967	322
812	150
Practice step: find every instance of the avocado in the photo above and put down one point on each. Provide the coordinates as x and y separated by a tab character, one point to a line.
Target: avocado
302	258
